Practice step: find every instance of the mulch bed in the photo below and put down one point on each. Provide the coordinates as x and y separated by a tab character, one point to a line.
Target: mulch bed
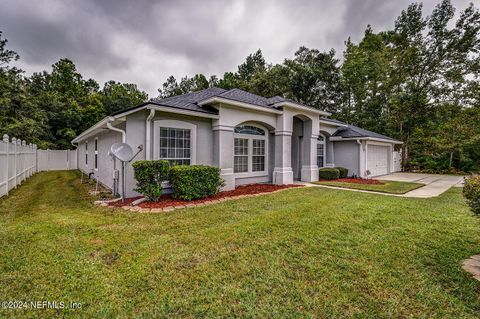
355	181
167	200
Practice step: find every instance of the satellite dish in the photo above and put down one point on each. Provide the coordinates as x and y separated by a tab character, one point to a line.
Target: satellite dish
122	151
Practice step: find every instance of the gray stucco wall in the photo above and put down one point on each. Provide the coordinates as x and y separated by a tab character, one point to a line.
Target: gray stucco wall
347	155
204	151
136	135
104	171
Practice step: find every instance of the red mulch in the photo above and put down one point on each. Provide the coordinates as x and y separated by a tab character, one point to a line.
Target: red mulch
355	181
167	200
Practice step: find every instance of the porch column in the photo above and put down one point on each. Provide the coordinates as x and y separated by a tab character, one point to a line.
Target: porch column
309	172
282	173
223	154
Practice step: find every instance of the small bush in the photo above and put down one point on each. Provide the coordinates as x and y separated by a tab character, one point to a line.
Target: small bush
471	191
149	176
195	181
328	173
343	171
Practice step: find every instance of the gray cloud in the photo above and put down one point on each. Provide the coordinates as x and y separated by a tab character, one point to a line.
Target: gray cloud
146	41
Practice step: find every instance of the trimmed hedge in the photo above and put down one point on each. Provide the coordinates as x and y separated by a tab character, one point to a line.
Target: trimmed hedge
149	176
343	171
195	181
328	173
471	191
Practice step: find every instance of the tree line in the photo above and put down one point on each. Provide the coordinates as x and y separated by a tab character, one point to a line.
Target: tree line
418	82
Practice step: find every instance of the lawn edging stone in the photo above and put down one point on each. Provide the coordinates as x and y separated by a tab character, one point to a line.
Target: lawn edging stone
472	266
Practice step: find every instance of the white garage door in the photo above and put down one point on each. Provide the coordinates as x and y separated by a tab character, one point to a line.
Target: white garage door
377	159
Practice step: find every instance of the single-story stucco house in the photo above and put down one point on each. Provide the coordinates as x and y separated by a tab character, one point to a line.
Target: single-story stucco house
252	139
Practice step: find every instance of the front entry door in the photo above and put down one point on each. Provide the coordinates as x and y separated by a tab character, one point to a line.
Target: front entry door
299	157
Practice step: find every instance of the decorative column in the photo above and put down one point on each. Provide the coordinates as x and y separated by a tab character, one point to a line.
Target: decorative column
309	171
223	153
282	173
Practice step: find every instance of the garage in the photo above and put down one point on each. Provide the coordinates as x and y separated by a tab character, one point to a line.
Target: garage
378	159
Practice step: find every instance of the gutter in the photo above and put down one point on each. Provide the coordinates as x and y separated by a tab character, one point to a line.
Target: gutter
302	107
375	139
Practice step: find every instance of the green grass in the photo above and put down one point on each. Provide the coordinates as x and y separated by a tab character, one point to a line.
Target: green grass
391	187
302	253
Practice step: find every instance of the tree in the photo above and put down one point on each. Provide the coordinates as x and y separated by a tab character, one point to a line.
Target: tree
432	63
314	78
118	96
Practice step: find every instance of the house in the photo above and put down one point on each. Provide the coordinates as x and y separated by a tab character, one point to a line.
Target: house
252	139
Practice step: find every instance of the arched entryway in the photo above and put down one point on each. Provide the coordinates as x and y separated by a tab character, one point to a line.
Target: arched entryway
301	148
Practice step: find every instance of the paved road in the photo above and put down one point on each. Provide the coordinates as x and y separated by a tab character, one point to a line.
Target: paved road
435	184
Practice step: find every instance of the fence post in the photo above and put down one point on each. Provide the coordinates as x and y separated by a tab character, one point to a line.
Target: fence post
36	157
6	141
24	143
14	143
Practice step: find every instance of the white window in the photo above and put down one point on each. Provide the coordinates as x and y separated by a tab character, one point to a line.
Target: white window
240	162
175	141
250	155
86	153
96	153
321	151
175	145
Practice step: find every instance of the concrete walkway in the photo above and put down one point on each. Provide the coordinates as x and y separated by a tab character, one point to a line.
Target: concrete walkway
435	184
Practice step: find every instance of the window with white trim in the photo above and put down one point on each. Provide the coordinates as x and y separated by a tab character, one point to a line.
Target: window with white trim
175	141
249	156
96	153
86	153
321	151
175	145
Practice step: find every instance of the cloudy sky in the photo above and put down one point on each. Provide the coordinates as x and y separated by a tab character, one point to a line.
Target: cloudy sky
145	41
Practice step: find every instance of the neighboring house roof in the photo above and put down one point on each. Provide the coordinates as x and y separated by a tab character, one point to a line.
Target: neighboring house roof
352	131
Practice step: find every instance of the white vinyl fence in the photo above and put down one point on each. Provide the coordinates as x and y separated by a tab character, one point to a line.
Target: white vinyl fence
53	160
19	161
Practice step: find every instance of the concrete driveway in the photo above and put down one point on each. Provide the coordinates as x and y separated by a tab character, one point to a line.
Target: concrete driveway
435	184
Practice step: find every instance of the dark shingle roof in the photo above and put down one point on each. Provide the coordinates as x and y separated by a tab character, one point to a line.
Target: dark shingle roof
189	101
246	97
354	131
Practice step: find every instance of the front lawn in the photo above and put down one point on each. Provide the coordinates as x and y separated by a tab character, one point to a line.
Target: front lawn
391	187
301	253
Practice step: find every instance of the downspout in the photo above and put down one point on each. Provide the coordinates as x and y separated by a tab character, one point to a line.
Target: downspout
360	158
110	127
115	174
148	152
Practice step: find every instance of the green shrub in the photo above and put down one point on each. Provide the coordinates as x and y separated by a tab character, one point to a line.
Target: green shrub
149	176
343	171
195	181
328	173
471	191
